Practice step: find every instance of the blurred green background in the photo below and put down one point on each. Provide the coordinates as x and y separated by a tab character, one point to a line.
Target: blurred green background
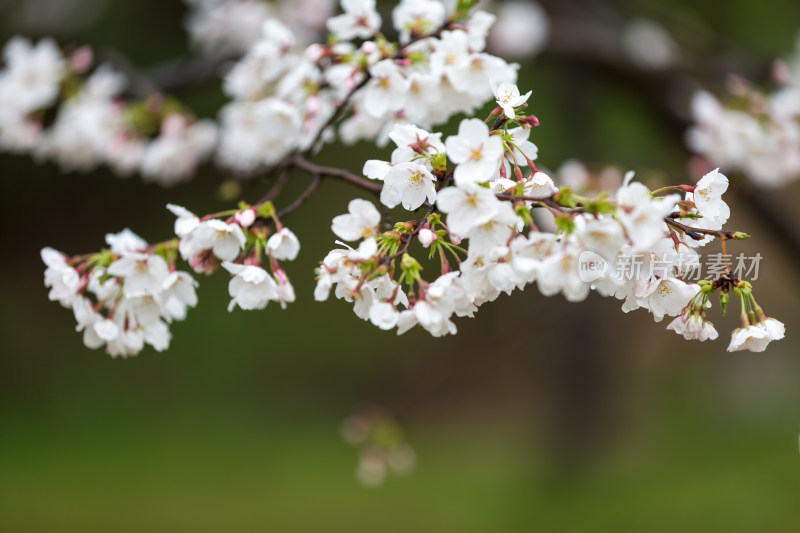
538	416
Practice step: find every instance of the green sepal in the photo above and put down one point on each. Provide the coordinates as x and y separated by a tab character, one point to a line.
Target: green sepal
565	224
266	210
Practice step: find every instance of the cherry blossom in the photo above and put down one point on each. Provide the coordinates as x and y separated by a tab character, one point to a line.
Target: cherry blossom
467	207
251	287
417	17
387	90
361	221
508	97
283	245
225	240
409	184
476	153
492	222
693	327
358	20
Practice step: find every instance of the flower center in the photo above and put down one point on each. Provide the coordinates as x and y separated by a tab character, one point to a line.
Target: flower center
415	180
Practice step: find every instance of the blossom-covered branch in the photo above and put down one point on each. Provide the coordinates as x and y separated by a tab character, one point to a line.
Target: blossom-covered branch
472	233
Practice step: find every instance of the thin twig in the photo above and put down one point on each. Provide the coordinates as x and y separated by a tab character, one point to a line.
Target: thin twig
543	201
276	188
697	233
308	193
333	172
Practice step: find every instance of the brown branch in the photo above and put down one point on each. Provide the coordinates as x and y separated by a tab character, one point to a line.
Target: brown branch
170	76
340	109
543	201
338	173
276	188
188	72
308	193
698	233
342	106
407	238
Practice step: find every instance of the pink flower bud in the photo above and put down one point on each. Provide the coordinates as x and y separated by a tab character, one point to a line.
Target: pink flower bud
315	52
281	277
781	72
313	104
455	239
369	47
82	59
173	125
426	237
245	218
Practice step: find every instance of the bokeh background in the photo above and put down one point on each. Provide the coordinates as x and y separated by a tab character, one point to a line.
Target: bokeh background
539	415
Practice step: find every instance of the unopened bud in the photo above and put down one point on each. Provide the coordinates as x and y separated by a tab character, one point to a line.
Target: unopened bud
724	298
409	263
426	237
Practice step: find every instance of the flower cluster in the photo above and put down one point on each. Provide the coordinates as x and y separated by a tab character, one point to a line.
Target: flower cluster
482	245
284	94
126	295
241	244
93	125
284	97
383	449
520	29
478	193
753	131
235	25
123	297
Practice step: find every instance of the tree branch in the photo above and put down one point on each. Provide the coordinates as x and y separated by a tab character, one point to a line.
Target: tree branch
332	172
308	193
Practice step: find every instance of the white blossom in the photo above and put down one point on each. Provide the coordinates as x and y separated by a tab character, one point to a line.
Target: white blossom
125	242
707	196
32	75
361	221
175	154
409	184
693	326
251	287
521	31
476	153
179	293
417	17
186	222
143	273
467	207
508	97
62	279
359	20
283	245
384	315
752	338
558	272
225	240
412	142
387	89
